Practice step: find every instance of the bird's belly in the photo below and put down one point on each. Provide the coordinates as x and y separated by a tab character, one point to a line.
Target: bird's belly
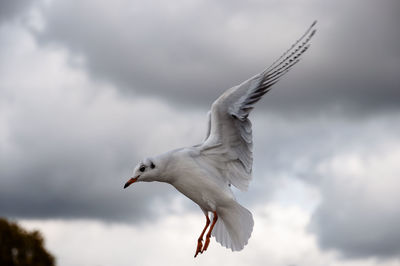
206	193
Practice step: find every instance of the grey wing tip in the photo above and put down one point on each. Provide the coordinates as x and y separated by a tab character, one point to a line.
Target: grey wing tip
312	27
314	23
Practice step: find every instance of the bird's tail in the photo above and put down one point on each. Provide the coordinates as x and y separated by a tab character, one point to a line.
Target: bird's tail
234	226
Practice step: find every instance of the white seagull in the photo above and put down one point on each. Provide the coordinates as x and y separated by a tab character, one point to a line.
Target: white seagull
205	172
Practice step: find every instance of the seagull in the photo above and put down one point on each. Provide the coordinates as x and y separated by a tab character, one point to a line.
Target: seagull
205	172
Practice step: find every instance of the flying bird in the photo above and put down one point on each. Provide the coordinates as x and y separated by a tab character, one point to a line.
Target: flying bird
205	172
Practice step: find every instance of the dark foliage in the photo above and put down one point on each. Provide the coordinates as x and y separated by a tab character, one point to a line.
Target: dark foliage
20	247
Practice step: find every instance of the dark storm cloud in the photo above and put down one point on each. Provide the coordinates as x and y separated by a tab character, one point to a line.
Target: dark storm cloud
68	182
191	51
54	170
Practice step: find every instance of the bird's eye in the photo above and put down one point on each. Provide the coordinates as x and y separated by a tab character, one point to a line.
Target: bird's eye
142	168
152	166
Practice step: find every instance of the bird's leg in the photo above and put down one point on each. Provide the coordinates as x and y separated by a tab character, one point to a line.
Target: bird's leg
200	240
208	236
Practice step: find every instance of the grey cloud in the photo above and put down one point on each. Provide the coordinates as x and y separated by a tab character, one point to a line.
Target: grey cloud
190	53
11	9
358	214
350	222
352	163
65	149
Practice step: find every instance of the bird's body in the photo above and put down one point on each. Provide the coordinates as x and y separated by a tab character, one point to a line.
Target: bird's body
205	172
188	173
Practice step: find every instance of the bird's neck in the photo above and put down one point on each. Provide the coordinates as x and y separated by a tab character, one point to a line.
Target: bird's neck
165	163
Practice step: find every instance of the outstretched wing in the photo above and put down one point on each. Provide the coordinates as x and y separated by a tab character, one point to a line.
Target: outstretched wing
228	145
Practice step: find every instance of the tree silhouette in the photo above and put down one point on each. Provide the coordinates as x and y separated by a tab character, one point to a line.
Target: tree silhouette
20	247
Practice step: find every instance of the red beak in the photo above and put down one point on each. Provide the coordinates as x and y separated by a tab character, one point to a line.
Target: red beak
131	181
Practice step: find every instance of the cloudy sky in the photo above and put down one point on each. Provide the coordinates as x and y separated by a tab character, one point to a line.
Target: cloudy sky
89	88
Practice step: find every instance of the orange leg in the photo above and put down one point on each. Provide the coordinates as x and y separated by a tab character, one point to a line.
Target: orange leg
200	240
209	232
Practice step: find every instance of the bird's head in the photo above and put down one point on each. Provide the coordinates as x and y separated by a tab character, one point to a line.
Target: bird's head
146	171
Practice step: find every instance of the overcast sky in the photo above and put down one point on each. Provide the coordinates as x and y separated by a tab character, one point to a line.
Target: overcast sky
89	88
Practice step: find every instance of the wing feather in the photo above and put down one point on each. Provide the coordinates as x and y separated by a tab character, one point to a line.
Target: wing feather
228	142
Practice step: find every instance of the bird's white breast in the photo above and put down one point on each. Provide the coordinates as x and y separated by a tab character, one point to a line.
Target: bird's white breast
198	182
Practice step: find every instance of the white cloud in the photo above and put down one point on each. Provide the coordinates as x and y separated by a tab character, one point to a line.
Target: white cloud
359	212
279	238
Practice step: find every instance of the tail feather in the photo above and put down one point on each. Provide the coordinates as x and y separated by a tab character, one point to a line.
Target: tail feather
234	226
